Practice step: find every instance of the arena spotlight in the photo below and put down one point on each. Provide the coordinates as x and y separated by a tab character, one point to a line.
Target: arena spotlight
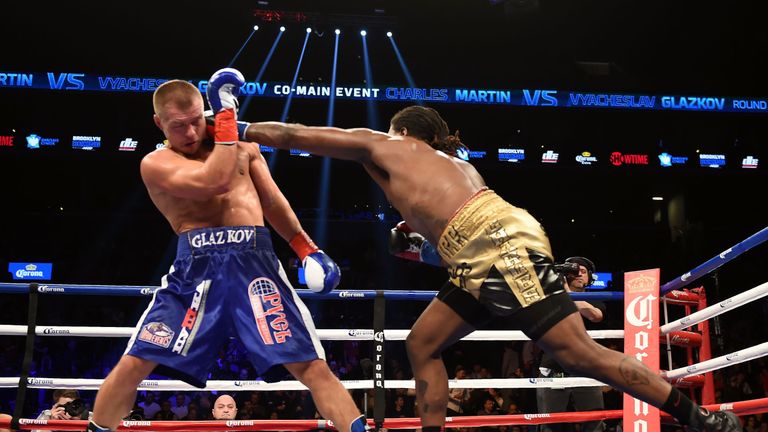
321	223
337	31
273	157
309	29
389	34
363	32
244	105
239	51
403	66
282	28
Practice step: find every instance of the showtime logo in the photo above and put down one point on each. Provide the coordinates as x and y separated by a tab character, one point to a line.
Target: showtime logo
618	159
6	140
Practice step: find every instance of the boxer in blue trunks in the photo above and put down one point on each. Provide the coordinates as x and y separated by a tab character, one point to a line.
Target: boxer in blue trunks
226	279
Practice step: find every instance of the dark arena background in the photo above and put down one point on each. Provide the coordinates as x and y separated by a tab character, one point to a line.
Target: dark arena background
634	131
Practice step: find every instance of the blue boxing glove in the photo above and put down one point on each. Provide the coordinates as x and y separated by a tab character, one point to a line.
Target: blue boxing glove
223	89
320	272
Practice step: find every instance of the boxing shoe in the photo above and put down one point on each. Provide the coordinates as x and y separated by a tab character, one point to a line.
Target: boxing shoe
716	421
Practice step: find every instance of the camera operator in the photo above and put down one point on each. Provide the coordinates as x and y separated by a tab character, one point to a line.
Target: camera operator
67	405
578	273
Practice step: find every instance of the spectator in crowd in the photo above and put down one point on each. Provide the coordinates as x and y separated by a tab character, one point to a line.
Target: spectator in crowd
180	406
224	408
5	417
489	408
193	412
149	405
165	412
738	388
578	276
67	405
751	424
399	409
257	406
458	397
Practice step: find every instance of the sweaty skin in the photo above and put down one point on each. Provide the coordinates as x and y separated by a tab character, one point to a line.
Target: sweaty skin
197	184
427	187
426	201
187	193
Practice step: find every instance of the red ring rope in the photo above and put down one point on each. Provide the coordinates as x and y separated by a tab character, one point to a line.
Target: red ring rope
749	407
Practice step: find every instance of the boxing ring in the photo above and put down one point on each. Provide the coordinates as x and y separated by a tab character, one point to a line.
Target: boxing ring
690	332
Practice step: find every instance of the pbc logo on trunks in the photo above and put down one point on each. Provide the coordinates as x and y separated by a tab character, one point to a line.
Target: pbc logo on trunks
156	333
267	305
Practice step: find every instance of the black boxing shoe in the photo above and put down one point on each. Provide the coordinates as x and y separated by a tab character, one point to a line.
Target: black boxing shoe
93	427
716	421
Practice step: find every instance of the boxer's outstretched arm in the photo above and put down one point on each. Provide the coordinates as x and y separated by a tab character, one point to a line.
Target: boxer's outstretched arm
350	144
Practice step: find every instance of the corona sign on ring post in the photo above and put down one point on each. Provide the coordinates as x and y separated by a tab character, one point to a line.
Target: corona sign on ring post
641	341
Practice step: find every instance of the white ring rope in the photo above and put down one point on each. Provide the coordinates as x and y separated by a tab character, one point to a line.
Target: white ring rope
733	358
324	334
717	309
219	385
737	357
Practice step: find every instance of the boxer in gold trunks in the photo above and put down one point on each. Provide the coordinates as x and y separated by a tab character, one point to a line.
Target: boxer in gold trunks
497	255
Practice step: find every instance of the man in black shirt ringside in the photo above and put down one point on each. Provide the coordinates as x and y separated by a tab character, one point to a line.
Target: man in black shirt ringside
559	399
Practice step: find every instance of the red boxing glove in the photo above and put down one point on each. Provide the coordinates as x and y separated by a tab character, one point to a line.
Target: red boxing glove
410	245
303	245
210	128
320	272
225	127
405	243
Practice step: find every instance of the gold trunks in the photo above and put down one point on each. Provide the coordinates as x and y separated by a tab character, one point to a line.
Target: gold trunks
486	232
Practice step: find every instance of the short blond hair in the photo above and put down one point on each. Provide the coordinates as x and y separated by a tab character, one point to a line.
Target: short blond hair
181	93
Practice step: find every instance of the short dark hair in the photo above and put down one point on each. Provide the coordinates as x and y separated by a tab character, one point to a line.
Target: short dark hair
68	393
425	124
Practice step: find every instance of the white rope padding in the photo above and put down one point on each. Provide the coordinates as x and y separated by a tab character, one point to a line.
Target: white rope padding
176	385
717	309
733	358
324	334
